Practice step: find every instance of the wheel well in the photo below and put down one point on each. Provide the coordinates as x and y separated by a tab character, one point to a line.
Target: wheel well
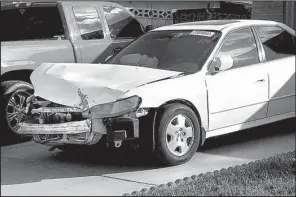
184	102
23	75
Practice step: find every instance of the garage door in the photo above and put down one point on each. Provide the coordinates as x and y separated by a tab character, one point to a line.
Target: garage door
268	10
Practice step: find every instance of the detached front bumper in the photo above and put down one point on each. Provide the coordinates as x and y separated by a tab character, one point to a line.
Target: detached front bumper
85	132
61	128
78	132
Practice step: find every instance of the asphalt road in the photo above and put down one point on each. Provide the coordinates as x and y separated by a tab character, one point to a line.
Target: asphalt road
29	169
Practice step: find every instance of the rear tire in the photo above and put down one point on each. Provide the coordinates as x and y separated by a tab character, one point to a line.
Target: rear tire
177	134
8	134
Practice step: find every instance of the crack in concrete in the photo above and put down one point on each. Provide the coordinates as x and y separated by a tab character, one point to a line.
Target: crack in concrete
127	180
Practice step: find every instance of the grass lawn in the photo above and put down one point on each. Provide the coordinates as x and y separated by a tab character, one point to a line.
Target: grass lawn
274	176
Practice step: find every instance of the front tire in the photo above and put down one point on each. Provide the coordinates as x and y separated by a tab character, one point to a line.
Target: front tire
13	111
177	134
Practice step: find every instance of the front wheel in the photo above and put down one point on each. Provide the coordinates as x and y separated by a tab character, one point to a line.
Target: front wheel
14	110
177	135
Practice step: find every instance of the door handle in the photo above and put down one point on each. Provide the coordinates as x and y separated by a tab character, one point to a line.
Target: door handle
260	81
117	49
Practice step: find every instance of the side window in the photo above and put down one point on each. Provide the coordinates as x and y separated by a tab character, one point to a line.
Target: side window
121	24
240	49
277	43
31	23
89	22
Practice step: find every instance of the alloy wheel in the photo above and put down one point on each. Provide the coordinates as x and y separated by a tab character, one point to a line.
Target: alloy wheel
179	135
16	109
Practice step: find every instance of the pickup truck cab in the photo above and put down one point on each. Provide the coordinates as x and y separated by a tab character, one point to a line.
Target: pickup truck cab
33	33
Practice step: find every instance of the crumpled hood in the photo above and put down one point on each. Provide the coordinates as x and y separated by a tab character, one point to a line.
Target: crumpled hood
86	85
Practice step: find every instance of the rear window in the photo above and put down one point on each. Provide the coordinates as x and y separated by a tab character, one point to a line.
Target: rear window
122	24
31	23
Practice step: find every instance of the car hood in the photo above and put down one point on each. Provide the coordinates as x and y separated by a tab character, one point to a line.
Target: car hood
86	85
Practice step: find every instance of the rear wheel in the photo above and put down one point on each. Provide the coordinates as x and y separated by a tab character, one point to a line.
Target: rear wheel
13	111
177	135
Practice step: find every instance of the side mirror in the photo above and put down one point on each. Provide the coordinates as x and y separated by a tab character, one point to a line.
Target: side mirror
149	27
221	63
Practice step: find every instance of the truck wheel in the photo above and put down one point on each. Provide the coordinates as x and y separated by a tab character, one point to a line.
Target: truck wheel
177	135
13	107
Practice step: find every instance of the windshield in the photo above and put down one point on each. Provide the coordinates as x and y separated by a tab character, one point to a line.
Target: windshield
178	50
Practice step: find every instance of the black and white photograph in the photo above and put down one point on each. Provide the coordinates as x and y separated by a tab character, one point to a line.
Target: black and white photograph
148	98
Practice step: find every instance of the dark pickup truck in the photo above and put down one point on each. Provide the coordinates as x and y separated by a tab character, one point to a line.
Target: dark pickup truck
33	33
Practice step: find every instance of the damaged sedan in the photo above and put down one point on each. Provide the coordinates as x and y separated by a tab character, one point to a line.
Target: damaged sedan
168	90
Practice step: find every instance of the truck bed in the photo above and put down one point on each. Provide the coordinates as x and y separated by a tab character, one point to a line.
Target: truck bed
17	55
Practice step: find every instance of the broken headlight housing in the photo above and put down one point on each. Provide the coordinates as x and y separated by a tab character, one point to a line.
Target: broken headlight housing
117	108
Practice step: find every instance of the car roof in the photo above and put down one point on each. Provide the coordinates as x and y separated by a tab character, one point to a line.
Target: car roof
215	25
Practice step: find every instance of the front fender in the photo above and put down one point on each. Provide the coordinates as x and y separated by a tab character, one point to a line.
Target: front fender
156	94
20	85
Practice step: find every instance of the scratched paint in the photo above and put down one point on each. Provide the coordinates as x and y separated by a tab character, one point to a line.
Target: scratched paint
84	103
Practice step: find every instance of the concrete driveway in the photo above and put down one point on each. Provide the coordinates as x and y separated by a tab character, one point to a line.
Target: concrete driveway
29	169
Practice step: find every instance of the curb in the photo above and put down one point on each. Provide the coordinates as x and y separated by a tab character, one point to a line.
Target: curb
195	177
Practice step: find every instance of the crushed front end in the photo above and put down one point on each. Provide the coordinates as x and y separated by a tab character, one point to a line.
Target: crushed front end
55	125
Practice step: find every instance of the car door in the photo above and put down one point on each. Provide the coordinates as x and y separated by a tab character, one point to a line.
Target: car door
279	56
122	27
239	94
92	39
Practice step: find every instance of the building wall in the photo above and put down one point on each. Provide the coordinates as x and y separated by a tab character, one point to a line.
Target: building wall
290	14
159	13
294	16
268	10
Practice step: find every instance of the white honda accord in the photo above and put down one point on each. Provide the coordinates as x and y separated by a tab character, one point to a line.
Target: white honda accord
169	90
